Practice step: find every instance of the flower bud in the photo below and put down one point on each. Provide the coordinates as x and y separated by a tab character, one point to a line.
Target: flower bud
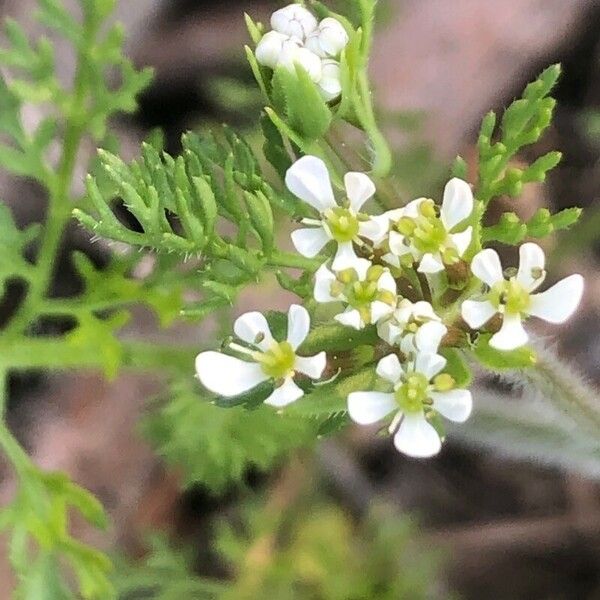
270	48
293	55
330	84
295	21
329	39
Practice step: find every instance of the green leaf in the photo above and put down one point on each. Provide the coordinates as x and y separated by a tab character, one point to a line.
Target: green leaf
273	147
215	446
521	358
261	217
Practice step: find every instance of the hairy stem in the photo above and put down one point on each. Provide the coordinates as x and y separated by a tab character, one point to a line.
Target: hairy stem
59	193
566	388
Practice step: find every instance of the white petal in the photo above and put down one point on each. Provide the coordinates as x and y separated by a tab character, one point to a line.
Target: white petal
388	331
487	267
323	280
531	259
292	56
269	48
379	310
345	258
429	364
253	325
374	229
429	337
350	318
476	313
407	344
226	375
559	302
389	368
412	208
359	188
332	36
308	178
417	438
309	241
457	204
285	394
312	366
462	240
431	263
386	283
330	87
366	408
397	244
298	325
391	259
455	405
423	310
511	335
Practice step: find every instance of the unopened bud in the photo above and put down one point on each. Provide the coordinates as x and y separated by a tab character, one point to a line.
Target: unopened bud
295	21
329	39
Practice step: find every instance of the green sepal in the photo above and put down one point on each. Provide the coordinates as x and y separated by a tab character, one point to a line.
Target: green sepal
332	398
498	360
306	111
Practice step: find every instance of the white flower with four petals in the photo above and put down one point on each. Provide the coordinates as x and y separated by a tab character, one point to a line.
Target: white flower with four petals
269	360
413	327
419	390
369	293
513	298
308	179
422	235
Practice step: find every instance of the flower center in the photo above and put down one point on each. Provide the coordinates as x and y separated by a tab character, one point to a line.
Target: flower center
412	394
361	294
278	361
342	223
510	294
425	232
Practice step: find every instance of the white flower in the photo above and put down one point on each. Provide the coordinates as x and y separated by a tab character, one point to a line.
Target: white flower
294	21
270	360
368	291
419	391
422	235
308	179
513	298
328	39
414	327
330	84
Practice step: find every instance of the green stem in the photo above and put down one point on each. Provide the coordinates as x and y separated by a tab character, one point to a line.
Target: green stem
382	162
59	200
566	389
9	444
59	354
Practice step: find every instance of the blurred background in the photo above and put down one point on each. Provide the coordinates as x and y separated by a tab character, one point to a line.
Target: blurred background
471	523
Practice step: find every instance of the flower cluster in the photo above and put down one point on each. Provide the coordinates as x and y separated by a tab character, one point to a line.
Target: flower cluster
370	258
297	38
